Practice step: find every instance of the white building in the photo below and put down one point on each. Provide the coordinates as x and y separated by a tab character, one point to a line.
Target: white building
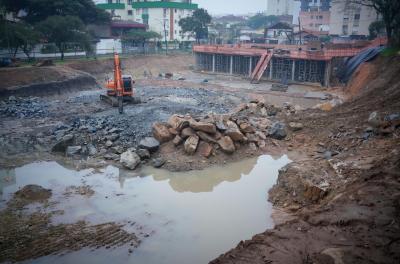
279	7
348	18
160	16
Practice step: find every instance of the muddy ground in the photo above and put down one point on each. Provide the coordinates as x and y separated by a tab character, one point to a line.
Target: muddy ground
342	190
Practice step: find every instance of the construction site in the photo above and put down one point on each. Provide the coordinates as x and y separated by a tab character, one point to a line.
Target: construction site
250	153
279	63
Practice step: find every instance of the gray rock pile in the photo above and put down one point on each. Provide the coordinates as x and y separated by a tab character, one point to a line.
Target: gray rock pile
24	107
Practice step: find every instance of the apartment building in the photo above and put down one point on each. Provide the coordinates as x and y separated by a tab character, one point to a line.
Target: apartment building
279	7
348	18
160	16
315	15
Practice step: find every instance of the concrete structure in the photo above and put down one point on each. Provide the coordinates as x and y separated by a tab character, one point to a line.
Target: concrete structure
348	18
279	7
160	16
284	63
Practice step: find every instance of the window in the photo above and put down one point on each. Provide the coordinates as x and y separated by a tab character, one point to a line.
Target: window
109	1
129	12
357	17
345	29
129	2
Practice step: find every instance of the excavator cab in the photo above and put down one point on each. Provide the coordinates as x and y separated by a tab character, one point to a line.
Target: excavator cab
120	89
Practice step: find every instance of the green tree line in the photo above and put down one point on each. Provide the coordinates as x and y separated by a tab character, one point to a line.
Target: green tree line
48	21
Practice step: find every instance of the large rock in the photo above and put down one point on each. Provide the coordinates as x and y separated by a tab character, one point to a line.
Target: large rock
205	149
143	153
157	162
278	130
204	126
73	150
233	131
191	144
178	122
375	120
206	137
149	143
130	160
161	132
63	143
220	123
187	132
226	145
177	140
295	126
246	128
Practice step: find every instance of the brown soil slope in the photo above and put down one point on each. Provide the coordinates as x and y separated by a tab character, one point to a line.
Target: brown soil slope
346	206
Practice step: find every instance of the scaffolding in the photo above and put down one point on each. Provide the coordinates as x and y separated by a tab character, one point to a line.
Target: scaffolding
279	68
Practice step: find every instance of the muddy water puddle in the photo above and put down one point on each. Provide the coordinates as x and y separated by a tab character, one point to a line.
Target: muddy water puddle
185	217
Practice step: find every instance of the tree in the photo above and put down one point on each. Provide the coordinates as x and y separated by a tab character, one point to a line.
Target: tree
39	10
19	36
389	10
197	24
139	36
61	30
261	21
376	28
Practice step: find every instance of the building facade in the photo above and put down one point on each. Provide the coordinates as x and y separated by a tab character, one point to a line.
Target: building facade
160	16
315	15
348	18
279	7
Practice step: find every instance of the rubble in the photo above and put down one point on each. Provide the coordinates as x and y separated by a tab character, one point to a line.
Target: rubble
20	107
245	126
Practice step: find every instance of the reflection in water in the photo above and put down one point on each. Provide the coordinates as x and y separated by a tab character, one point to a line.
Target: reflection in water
7	178
202	180
192	216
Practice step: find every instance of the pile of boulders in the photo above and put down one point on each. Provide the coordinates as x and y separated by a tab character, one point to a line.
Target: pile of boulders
249	125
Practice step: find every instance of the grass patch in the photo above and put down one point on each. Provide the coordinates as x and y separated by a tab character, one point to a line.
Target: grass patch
391	52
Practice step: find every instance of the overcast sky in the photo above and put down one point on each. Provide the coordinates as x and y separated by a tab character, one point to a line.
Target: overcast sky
217	7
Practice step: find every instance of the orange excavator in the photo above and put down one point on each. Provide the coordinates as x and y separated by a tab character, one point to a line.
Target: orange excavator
120	89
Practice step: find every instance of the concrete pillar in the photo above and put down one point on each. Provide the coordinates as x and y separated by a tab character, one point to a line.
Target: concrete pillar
213	63
231	66
250	66
271	65
327	74
293	69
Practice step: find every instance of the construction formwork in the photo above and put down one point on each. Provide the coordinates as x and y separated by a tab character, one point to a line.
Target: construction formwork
284	63
279	69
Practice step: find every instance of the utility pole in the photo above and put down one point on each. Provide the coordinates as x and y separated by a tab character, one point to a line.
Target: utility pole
165	37
299	31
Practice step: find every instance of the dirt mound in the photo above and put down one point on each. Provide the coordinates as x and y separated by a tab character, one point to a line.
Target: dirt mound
42	81
33	193
361	78
345	195
137	65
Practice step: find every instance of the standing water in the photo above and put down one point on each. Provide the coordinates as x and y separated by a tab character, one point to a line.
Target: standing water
187	217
